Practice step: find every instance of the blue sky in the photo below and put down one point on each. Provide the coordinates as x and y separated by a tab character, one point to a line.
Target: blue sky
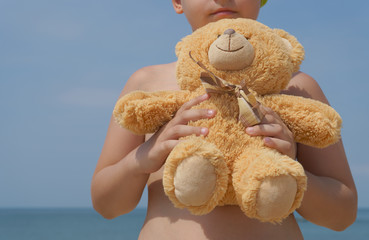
64	63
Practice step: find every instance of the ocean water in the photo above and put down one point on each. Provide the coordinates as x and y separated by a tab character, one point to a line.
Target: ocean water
70	224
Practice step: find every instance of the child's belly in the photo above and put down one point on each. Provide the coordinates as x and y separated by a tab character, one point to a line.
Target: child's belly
163	221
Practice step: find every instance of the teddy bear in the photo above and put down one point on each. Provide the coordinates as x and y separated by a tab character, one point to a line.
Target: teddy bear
243	65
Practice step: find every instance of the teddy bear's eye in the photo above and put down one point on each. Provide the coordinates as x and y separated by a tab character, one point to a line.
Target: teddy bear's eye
247	38
218	36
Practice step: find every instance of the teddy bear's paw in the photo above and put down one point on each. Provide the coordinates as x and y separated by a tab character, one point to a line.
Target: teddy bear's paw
276	197
195	176
270	187
194	181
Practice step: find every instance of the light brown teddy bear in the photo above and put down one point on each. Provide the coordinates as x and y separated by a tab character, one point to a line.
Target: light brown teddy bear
234	60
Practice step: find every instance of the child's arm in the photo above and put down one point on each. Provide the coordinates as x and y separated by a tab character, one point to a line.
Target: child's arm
126	160
331	197
118	183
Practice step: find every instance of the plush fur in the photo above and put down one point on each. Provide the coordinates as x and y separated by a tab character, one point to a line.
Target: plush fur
229	167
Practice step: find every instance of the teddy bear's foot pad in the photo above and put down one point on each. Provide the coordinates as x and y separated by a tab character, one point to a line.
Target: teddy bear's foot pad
195	176
194	181
276	196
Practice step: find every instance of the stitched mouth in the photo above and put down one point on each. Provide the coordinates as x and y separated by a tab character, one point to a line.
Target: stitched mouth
230	50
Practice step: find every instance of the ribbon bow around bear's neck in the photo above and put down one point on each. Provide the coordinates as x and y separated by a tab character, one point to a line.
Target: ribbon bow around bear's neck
249	108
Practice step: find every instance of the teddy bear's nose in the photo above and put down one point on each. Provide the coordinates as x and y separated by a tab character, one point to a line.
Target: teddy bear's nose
229	31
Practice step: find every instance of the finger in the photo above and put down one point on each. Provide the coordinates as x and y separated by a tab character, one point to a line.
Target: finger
194	102
193	115
271	130
270	116
179	131
168	146
265	110
282	146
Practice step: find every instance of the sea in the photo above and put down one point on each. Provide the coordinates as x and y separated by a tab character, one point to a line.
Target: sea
80	224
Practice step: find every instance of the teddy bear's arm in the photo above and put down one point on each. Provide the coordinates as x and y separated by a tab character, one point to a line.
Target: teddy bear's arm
312	122
145	112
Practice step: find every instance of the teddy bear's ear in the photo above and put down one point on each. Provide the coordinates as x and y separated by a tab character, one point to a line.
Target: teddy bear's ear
296	50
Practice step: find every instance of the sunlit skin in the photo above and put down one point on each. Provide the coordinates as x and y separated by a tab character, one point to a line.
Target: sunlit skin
129	162
201	12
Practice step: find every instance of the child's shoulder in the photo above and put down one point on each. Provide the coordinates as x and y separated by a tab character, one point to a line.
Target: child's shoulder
152	78
304	85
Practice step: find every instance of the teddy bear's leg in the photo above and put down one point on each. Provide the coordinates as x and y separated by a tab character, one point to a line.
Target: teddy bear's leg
195	175
269	186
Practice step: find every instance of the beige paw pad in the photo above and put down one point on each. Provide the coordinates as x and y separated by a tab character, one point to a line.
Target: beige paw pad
194	181
276	196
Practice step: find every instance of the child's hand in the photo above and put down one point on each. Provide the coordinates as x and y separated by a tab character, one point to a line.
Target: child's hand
276	133
152	154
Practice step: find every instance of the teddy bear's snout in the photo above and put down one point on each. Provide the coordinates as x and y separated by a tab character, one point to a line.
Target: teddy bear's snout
231	51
